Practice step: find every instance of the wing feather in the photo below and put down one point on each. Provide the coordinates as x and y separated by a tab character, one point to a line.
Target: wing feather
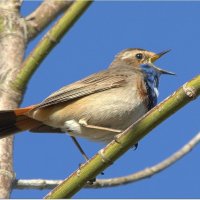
95	83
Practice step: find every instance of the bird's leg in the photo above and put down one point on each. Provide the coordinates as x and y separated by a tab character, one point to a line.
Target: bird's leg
91	181
80	148
84	123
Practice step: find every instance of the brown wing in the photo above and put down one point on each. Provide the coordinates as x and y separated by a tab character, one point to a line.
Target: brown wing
95	83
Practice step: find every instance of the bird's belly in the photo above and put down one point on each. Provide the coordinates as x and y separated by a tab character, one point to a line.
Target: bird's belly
116	112
118	115
116	109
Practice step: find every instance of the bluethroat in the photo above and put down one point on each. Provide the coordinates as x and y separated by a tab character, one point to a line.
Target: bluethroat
97	107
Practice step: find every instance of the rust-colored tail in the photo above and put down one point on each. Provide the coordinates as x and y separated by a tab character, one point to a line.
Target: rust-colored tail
14	121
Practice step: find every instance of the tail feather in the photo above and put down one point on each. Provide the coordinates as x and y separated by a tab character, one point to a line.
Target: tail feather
14	121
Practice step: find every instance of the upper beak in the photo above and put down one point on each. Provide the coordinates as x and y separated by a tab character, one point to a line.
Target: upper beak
156	57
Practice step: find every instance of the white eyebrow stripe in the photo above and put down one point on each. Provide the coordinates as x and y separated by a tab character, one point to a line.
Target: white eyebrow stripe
127	55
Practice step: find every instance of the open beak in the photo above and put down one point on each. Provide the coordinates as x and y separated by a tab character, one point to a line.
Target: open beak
156	57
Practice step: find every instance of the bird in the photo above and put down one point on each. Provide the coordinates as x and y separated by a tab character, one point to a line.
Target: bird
97	107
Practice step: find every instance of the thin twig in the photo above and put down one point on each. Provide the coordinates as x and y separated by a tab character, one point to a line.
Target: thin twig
102	183
44	15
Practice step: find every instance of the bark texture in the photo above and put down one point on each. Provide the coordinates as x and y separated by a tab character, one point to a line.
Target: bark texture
12	45
44	14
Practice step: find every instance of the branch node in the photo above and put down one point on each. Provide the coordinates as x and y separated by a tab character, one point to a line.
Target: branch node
104	158
31	19
13	24
190	91
52	39
116	140
7	173
34	59
78	172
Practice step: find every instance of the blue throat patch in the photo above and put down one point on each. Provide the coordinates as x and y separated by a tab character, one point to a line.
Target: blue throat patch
152	81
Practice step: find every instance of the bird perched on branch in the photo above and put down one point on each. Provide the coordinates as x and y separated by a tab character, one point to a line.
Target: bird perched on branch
97	107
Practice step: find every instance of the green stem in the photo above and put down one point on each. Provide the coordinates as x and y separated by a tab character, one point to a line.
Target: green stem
126	140
48	42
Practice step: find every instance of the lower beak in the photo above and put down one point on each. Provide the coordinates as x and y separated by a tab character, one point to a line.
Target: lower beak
156	57
162	71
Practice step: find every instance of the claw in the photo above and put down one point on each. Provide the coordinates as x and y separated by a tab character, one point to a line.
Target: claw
136	146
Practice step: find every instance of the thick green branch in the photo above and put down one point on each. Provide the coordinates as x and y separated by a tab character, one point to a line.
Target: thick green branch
126	140
48	42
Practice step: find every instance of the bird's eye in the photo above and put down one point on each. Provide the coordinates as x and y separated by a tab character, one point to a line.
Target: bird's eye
139	56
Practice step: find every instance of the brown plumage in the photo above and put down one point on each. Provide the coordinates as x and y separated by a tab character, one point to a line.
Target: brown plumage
97	107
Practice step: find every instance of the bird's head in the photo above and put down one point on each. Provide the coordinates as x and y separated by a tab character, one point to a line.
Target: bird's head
136	57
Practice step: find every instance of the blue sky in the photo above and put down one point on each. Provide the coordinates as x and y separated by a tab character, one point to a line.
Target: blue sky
104	30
